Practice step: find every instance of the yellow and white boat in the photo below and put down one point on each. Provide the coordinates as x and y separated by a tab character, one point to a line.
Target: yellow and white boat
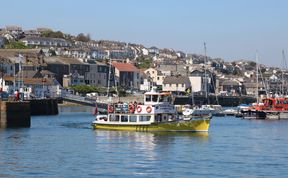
156	114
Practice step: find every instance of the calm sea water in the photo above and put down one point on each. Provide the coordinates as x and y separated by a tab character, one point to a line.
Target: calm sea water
66	146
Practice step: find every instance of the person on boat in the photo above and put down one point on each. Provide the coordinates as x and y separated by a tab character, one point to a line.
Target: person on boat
17	95
158	118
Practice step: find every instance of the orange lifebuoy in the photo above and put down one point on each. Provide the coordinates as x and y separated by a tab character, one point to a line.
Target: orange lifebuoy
139	109
149	109
131	108
110	109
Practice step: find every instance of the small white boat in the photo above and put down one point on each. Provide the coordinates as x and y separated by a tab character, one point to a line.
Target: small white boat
203	111
230	112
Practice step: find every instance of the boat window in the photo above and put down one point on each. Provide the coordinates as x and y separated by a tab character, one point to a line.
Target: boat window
124	118
114	118
148	98
161	98
144	118
167	99
103	118
154	98
133	119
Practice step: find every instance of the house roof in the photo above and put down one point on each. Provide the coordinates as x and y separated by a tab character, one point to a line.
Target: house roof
32	81
230	83
46	72
29	74
125	67
62	60
44	39
253	85
176	80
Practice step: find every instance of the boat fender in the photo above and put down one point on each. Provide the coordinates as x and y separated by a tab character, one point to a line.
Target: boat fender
149	109
139	109
110	109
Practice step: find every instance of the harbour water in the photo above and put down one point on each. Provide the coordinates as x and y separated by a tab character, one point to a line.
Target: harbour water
66	146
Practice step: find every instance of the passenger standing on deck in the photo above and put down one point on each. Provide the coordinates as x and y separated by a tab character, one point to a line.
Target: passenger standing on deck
17	95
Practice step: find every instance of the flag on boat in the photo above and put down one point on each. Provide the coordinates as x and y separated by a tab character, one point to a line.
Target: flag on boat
188	90
96	110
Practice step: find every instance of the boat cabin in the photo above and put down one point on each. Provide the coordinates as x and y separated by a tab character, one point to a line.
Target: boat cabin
152	98
277	104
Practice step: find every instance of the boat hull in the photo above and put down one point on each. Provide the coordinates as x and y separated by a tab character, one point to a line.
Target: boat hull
188	126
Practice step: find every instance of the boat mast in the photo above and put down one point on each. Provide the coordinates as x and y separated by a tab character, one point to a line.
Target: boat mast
192	97
109	75
205	77
283	68
257	75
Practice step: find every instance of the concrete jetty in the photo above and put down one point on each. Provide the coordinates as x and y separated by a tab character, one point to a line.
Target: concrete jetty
14	114
44	107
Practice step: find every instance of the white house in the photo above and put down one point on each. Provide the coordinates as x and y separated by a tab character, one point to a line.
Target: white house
99	54
196	83
33	87
48	42
154	51
145	51
156	75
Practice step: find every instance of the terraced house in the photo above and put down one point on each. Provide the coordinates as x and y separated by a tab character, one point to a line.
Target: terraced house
127	75
46	42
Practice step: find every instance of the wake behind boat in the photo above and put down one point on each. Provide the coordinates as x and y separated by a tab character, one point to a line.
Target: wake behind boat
156	114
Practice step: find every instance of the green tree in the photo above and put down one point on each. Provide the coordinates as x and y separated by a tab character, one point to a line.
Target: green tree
144	63
52	34
83	38
83	89
16	45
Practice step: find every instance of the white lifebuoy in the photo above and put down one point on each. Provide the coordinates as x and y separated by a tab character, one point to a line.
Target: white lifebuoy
139	109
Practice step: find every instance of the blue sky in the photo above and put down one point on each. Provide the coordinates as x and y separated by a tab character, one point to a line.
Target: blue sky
231	29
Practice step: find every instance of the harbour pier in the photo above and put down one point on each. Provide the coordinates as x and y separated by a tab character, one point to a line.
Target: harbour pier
15	114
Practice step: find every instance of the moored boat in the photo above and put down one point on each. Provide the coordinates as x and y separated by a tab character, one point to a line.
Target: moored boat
155	114
271	109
